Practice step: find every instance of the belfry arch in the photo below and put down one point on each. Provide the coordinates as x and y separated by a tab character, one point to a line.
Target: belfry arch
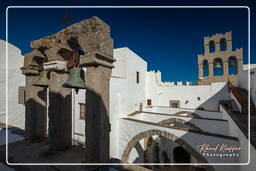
86	44
222	50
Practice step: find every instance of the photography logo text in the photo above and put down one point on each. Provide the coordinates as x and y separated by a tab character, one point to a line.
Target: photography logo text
219	150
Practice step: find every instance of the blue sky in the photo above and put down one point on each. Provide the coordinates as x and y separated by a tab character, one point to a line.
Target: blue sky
168	39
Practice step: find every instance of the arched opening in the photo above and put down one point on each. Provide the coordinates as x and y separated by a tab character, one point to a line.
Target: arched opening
205	68
200	108
211	46
180	123
180	155
217	67
223	44
166	143
232	65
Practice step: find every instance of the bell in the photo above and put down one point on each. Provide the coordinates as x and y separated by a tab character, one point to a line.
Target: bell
42	81
232	63
74	80
218	65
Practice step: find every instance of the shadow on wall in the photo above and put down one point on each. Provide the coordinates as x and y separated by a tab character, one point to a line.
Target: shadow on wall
97	126
35	118
212	103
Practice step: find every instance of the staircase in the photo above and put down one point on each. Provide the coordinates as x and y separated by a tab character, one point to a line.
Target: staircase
242	97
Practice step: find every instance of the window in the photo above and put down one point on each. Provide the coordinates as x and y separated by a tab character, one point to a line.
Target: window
211	46
174	103
149	102
22	95
205	68
198	98
223	44
137	77
217	67
232	65
82	111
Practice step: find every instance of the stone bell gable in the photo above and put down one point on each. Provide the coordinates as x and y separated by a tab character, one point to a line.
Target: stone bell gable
218	49
91	38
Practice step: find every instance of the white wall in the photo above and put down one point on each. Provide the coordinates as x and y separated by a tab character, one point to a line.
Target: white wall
16	112
243	81
235	131
161	94
125	94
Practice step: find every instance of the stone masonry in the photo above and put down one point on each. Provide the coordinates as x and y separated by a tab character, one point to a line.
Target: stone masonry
93	37
224	55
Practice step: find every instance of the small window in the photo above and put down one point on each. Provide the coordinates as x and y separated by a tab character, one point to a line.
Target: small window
198	98
174	103
137	77
149	102
82	111
22	95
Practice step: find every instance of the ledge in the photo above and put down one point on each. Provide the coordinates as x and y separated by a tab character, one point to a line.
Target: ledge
183	129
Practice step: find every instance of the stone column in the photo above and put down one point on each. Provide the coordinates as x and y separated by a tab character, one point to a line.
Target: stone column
35	108
97	119
229	45
217	46
211	69
97	128
225	68
206	48
200	70
239	65
60	112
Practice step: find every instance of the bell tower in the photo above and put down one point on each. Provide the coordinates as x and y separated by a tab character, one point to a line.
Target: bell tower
219	62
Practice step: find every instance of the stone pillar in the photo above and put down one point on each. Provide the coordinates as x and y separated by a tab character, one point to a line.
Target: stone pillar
229	45
35	110
239	65
210	69
97	128
60	112
97	118
217	46
200	70
225	68
206	48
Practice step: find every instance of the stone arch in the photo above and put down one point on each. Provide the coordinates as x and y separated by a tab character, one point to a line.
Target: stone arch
223	44
217	67
181	121
205	68
146	134
211	46
232	65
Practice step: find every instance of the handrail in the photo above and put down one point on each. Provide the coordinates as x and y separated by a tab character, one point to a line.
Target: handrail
237	95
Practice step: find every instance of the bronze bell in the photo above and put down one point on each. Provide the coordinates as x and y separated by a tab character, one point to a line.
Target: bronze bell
74	79
218	65
42	80
232	63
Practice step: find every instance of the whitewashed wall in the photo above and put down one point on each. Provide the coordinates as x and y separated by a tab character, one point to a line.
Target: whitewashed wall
235	131
16	112
243	80
161	94
125	94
